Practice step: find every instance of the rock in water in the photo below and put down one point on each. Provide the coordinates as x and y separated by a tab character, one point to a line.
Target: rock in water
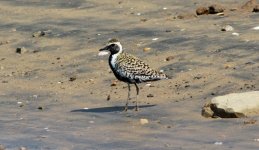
233	105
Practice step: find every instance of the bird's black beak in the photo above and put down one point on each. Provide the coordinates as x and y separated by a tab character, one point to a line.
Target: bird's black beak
103	49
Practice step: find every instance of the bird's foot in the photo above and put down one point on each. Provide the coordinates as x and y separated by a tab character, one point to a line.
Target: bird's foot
125	109
136	108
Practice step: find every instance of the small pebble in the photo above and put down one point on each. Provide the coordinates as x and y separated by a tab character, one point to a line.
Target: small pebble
40	108
72	79
249	63
233	9
226	66
169	58
198	76
150	95
148	84
21	50
114	83
227	28
220	14
235	33
108	97
154	39
256	28
143	19
256	140
146	49
91	121
38	34
86	108
143	121
218	143
35	96
186	86
22	148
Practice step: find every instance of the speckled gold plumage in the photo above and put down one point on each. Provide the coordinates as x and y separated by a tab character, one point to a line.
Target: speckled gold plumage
132	69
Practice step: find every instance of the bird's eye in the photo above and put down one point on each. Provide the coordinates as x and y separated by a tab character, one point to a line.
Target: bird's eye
112	45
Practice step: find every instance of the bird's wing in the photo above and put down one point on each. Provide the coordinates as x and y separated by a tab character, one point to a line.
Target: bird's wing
136	69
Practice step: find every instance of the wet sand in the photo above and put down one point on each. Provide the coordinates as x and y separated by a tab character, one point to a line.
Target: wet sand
44	91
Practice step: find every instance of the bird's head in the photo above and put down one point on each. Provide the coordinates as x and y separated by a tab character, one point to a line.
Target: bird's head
113	46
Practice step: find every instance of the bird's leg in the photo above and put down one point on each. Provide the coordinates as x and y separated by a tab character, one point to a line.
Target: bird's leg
127	102
136	108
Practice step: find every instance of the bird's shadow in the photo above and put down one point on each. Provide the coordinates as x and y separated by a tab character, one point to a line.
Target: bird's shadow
109	109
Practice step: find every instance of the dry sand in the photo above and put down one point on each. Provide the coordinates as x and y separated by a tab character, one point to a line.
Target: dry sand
43	92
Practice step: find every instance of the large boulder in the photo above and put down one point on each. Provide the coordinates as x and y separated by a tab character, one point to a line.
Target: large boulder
233	105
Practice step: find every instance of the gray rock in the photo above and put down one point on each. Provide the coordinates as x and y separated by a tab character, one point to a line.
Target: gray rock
233	105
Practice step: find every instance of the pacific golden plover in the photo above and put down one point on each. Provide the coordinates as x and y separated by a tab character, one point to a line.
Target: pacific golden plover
129	69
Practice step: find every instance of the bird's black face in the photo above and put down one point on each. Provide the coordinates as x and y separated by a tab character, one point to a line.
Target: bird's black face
113	48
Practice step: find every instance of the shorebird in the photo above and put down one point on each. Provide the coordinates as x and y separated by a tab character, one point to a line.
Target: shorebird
129	69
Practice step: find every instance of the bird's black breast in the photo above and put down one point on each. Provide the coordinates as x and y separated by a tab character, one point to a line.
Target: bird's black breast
118	75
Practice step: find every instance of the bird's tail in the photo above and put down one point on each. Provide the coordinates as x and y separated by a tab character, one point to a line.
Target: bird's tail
163	76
